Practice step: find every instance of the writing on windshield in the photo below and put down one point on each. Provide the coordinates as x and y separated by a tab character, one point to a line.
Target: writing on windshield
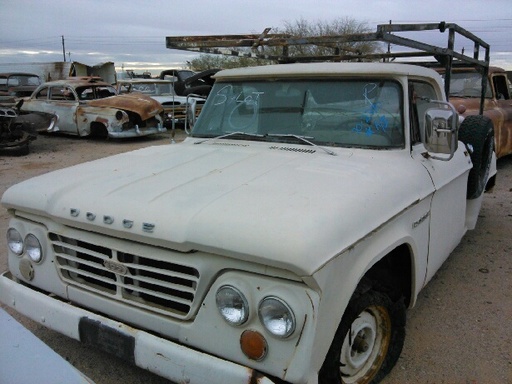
331	112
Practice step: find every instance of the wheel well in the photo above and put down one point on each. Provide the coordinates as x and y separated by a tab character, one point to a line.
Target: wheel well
392	274
98	130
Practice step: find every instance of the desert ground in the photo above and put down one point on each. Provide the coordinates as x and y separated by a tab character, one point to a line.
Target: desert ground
460	330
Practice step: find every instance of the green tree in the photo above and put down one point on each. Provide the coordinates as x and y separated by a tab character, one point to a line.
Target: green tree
301	28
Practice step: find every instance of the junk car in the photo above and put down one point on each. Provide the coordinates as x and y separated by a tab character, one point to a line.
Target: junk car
466	86
86	106
180	109
16	84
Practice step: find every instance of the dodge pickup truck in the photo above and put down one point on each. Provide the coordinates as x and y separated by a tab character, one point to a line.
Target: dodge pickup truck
281	242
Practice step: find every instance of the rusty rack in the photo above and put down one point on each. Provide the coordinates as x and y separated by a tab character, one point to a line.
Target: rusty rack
344	47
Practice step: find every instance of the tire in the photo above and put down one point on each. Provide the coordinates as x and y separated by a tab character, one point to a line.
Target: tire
477	132
16	146
368	341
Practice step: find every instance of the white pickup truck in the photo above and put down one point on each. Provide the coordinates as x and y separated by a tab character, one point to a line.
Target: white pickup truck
281	242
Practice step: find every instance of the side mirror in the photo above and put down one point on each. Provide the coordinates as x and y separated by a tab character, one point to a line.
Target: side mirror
441	132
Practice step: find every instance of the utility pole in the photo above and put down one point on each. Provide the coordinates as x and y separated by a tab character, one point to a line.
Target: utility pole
63	49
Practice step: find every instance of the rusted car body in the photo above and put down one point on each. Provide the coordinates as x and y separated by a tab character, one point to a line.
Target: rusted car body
16	131
178	109
88	106
465	90
14	85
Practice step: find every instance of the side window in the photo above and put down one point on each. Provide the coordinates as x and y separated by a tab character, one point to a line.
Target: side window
3	84
501	87
61	93
419	106
124	88
42	94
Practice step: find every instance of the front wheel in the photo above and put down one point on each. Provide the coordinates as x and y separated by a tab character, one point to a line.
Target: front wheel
368	341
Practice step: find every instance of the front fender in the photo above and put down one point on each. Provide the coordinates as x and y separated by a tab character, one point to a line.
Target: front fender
338	279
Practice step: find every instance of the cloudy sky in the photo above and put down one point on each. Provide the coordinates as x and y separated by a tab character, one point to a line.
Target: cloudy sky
131	33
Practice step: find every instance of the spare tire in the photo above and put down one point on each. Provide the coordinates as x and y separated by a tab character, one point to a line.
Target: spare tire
477	132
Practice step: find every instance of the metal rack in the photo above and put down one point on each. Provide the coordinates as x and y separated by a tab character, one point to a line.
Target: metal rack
344	47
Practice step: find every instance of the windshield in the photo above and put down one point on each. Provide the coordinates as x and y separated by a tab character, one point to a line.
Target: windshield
355	113
153	89
468	84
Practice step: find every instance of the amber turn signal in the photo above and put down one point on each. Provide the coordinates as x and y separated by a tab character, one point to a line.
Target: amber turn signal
253	345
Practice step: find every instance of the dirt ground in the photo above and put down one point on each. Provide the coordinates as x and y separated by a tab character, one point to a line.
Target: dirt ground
460	330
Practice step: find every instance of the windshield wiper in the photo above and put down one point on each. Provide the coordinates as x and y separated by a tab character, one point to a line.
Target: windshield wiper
230	134
303	139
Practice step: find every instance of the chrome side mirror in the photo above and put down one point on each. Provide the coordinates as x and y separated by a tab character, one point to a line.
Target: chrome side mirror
441	131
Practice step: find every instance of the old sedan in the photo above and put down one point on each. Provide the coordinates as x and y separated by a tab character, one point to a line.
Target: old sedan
181	109
86	106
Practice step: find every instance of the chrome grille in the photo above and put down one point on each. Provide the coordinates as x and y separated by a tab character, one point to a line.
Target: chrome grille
160	286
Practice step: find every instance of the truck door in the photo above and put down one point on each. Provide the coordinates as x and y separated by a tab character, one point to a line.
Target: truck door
448	205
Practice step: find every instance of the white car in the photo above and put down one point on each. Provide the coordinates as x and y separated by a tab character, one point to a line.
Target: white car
181	109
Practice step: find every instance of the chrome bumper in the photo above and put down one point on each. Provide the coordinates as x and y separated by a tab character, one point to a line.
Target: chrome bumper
160	356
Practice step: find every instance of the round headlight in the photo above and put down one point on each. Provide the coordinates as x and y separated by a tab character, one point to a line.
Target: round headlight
15	241
33	248
277	317
119	115
232	305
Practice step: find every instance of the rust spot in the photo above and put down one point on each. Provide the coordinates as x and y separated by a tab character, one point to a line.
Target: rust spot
255	377
101	120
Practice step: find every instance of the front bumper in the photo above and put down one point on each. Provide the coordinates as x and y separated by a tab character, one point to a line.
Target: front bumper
136	132
160	356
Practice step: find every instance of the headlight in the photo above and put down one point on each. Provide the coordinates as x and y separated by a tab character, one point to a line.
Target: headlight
232	305
15	241
33	248
277	317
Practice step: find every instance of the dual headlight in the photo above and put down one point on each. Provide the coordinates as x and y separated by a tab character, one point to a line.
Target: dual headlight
29	245
274	313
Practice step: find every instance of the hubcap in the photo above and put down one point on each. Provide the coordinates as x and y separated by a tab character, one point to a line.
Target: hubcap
365	345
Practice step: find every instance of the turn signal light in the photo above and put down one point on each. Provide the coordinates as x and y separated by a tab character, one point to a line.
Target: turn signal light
253	345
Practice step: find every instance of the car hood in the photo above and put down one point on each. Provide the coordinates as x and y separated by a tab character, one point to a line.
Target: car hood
143	105
292	207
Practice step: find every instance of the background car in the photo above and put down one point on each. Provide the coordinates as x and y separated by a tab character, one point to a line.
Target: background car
183	109
88	106
16	84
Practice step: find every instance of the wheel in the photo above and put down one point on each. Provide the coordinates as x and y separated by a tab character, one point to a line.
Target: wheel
368	341
477	131
15	144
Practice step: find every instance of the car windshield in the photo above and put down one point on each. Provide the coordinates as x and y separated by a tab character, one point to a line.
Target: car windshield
344	113
154	89
468	84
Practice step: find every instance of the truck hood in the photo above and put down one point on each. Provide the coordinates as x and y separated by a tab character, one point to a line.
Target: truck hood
287	206
141	104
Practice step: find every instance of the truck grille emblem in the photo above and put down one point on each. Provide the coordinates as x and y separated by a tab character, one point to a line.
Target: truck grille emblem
117	268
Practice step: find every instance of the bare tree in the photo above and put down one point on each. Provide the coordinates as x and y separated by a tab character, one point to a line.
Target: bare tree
297	29
337	27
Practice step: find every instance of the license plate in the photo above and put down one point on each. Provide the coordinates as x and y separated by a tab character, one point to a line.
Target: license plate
93	332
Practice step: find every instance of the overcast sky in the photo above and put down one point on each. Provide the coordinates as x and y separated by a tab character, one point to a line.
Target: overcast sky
131	33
